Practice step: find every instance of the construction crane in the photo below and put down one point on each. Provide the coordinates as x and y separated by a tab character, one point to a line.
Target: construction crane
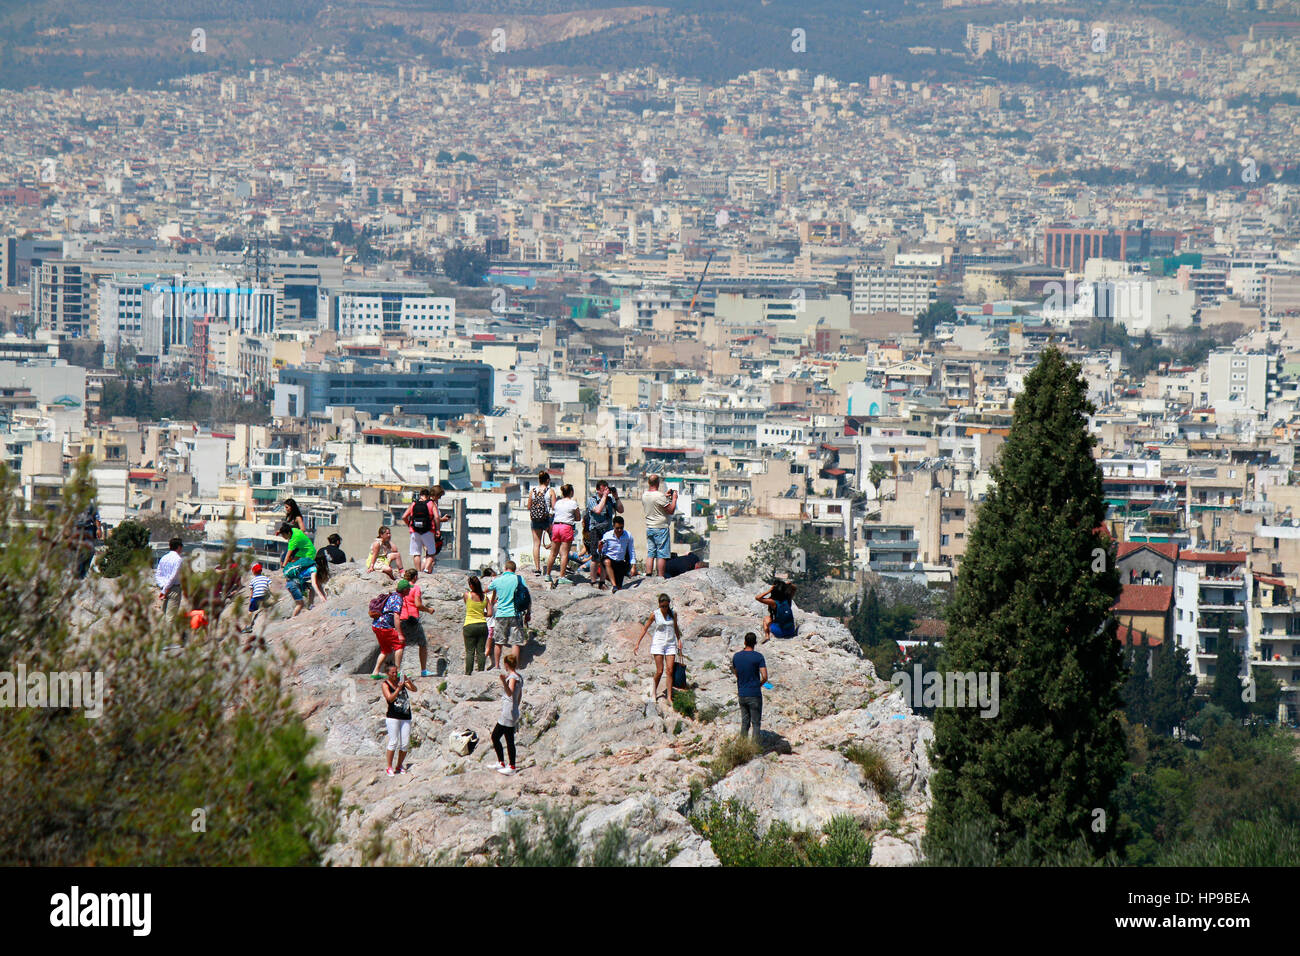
703	273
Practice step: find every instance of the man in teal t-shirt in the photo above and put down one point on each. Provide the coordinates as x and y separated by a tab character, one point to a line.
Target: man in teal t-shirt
510	628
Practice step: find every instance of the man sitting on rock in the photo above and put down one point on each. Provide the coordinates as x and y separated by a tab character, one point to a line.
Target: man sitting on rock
619	554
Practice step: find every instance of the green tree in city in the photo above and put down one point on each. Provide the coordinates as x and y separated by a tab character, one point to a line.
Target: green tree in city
1171	689
935	314
1032	607
1137	688
1226	691
1268	693
809	560
877	475
465	266
865	623
128	546
199	756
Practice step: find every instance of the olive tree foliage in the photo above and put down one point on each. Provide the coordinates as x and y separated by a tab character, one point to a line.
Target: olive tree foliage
190	752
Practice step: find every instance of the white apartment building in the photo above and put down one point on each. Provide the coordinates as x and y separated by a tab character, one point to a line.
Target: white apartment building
1138	303
156	315
776	433
270	469
378	308
1281	291
714	429
1275	629
789	318
1210	588
487	523
1241	378
110	492
400	455
886	289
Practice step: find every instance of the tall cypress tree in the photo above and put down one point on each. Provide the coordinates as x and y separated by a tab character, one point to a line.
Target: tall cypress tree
1172	688
1226	690
1033	605
1137	688
865	626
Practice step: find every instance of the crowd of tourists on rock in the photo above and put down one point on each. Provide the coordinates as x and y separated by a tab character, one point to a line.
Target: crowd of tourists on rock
592	542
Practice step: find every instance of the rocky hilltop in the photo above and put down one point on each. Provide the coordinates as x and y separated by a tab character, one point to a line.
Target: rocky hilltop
591	737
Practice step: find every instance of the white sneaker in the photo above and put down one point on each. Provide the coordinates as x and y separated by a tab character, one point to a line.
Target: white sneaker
506	771
391	772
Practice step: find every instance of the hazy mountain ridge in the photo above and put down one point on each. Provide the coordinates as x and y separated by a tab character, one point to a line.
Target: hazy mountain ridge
72	42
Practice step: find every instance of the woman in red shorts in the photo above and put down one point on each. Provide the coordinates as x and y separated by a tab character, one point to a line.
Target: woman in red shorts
563	527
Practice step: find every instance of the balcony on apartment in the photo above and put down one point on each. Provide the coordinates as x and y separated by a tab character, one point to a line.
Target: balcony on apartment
1275	654
1209	647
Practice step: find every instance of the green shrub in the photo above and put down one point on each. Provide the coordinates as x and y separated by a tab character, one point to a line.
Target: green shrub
732	831
709	714
733	752
200	757
844	845
973	842
1268	842
558	844
876	769
128	547
553	617
684	702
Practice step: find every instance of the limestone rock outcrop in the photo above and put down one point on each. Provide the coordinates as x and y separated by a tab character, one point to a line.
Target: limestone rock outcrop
591	737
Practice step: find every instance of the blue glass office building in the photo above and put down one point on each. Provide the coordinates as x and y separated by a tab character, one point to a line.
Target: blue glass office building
440	390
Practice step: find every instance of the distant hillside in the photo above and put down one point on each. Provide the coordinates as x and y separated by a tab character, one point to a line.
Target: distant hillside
116	43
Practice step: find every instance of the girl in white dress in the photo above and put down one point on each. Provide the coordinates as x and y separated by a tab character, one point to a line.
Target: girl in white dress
665	644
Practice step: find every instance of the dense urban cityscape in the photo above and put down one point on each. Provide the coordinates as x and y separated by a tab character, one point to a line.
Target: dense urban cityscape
804	306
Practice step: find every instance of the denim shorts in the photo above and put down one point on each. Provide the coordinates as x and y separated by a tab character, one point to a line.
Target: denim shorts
657	543
293	587
779	631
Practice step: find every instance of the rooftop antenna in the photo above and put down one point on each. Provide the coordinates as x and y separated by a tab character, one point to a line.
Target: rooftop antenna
255	255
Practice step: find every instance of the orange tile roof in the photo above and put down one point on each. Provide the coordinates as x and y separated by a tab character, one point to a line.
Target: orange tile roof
1214	557
1168	549
1144	599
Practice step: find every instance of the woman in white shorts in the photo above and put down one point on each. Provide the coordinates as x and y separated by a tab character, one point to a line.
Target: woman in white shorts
665	644
397	694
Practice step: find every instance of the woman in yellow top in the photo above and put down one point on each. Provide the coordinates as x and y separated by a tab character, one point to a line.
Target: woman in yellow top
476	629
383	556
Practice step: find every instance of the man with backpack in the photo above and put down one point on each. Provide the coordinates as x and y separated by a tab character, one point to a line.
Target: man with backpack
422	520
384	609
511	604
